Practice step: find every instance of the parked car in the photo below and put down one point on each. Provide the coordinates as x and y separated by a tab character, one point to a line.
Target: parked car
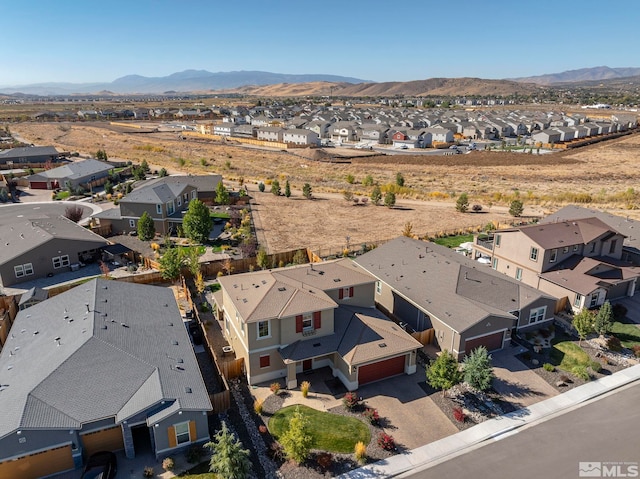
101	465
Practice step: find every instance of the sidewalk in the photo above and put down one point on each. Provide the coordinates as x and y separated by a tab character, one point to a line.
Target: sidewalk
459	443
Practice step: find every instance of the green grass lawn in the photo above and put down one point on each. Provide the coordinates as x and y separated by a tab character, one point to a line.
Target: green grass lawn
454	241
224	216
330	432
568	356
628	334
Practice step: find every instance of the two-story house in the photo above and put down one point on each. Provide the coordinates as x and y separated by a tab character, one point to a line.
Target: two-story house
299	136
579	259
164	199
285	321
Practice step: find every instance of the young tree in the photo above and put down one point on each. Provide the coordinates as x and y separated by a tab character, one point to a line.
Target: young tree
170	264
306	191
262	259
390	199
145	166
376	195
516	208
146	227
275	187
222	195
295	441
408	230
163	172
287	189
261	187
368	180
74	213
229	459
300	257
478	372
192	257
583	322
199	282
399	179
604	319
444	372
462	203
108	187
197	221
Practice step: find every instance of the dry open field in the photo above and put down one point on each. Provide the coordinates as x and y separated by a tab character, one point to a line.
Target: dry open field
605	175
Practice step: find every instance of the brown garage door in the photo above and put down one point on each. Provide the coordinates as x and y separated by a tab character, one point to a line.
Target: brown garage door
38	185
103	440
380	370
490	341
38	465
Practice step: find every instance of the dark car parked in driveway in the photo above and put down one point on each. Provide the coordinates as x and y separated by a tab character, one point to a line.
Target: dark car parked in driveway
101	465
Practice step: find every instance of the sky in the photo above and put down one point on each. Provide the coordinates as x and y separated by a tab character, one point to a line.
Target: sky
83	41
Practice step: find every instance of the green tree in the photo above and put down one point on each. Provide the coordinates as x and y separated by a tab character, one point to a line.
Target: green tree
306	191
108	187
390	199
287	189
229	459
146	227
138	173
145	166
462	203
296	441
170	264
261	187
262	259
376	195
197	221
399	179
604	319
478	372
516	208
368	180
350	178
275	187
300	257
192	256
101	155
408	230
444	372
163	172
583	323
222	195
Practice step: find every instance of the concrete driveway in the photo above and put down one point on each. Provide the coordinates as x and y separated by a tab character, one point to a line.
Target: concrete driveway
633	307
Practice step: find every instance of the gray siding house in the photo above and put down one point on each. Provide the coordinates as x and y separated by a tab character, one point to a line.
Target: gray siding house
75	174
87	371
29	155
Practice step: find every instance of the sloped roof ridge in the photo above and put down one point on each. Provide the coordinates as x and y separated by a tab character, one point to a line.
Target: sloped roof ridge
43	402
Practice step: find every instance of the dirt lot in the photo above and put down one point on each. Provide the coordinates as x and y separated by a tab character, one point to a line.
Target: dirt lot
601	175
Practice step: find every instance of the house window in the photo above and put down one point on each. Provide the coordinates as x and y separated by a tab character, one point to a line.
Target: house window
612	246
265	361
186	197
578	301
533	254
494	263
565	250
60	261
263	329
170	208
307	322
594	300
497	238
132	223
593	246
23	270
537	314
554	256
345	293
519	274
159	209
182	433
575	247
379	287
194	193
179	200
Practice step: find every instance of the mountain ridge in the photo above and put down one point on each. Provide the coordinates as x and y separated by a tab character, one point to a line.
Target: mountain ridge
581	75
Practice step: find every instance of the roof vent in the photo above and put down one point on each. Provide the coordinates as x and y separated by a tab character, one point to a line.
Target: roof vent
104	326
57	338
320	273
170	324
382	345
188	390
337	280
282	289
174	342
124	325
35	332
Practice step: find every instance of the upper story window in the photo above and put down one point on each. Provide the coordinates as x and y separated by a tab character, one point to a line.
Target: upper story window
497	240
594	300
494	263
554	256
578	301
23	270
533	254
264	330
179	200
379	287
159	209
345	293
307	322
612	246
537	314
519	274
575	247
565	250
170	208
194	194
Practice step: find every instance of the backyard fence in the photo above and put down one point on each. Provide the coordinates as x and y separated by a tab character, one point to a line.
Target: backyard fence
425	337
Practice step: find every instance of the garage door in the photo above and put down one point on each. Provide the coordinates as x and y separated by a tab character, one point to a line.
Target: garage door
618	291
38	185
490	341
103	440
380	370
38	465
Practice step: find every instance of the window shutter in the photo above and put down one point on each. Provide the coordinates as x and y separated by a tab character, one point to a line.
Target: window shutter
340	293
299	323
317	320
171	431
193	433
351	292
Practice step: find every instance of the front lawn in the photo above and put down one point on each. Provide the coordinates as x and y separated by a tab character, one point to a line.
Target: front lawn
628	334
454	241
568	356
330	432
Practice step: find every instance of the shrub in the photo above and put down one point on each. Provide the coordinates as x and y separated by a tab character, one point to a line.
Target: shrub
257	406
549	367
277	451
360	452
148	471
613	344
636	350
476	208
275	388
580	372
351	401
565	379
372	415
459	415
595	366
324	460
386	441
168	464
262	429
261	187
304	388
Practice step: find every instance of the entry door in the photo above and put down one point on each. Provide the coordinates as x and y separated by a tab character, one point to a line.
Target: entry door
307	365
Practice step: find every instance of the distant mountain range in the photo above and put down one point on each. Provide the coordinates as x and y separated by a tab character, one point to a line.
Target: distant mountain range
186	81
281	84
582	75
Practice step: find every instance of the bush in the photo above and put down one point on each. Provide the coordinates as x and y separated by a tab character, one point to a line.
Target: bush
360	452
257	406
304	388
324	460
148	472
275	388
372	415
386	441
549	367
168	464
262	429
595	366
565	379
261	187
476	208
580	372
613	344
459	415
351	401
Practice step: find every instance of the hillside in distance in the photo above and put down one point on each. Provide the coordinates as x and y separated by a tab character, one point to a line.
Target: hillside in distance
582	75
432	86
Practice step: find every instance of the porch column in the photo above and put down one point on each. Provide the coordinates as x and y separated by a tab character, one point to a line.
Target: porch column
292	380
129	450
632	287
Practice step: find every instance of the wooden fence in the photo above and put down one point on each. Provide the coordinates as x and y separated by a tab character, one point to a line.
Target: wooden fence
8	312
425	337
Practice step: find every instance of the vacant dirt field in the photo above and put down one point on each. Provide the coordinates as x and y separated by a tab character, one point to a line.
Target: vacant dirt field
602	175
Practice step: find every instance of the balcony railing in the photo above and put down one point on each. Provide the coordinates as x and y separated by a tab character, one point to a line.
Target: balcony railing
486	243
